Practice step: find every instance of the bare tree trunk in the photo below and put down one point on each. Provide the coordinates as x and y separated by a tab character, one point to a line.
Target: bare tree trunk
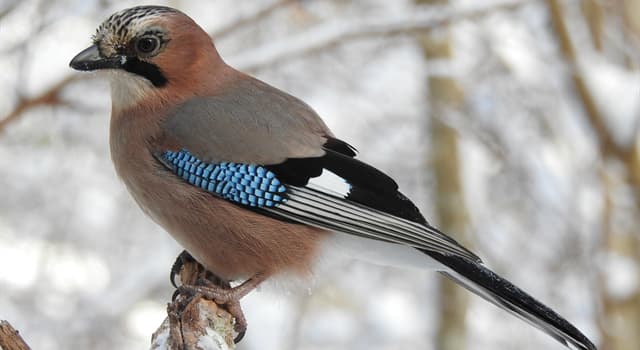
621	243
632	15
452	218
620	308
446	95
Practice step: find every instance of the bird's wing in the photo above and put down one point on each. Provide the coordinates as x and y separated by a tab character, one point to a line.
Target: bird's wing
264	149
283	191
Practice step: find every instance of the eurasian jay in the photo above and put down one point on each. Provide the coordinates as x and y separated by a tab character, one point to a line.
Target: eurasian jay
232	168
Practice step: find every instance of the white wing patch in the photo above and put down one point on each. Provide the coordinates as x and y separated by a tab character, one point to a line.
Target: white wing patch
332	183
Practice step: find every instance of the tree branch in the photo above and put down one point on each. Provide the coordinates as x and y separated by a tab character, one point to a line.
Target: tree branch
10	339
192	322
201	325
49	97
340	32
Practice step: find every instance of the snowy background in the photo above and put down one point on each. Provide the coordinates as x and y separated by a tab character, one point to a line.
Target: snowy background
552	196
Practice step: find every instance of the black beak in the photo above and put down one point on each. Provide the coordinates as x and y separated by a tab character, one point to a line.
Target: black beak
91	59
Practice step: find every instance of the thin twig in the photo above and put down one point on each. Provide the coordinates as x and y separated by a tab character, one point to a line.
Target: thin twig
50	97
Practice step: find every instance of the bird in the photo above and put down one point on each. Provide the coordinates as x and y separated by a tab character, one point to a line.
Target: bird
235	171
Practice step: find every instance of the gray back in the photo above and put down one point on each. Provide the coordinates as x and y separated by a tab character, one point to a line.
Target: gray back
251	122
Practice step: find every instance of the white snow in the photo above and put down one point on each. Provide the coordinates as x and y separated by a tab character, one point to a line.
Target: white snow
212	341
616	91
21	259
621	275
144	318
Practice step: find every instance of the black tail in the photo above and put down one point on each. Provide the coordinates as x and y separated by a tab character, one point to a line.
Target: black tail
502	293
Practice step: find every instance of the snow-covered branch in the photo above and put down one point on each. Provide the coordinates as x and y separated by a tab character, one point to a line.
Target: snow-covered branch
192	321
201	325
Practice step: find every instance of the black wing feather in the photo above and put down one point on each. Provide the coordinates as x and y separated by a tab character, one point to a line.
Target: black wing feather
502	293
340	146
369	186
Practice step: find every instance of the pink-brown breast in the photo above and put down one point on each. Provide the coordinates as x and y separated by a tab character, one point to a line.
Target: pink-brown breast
229	240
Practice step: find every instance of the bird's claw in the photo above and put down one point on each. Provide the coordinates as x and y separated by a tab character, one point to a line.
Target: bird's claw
225	297
198	282
181	260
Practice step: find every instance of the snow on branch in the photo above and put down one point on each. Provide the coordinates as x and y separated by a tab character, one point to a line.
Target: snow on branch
200	325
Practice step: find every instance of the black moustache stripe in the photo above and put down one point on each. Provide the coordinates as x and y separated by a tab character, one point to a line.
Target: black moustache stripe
147	70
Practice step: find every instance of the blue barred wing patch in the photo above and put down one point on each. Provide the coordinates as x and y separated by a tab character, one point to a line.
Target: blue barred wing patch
246	184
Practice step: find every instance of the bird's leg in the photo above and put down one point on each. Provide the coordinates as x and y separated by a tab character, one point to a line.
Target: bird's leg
198	282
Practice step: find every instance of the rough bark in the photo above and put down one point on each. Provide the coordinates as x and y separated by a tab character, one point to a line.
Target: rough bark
10	338
194	323
201	325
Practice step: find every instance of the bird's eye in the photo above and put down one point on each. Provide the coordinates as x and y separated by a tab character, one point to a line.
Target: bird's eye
147	45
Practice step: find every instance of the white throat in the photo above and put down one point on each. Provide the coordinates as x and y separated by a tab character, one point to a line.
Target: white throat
127	89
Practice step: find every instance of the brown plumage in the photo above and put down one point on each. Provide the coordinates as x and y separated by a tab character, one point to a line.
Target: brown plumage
262	216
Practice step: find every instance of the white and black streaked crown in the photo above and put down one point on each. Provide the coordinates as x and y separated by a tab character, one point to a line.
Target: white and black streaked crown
123	25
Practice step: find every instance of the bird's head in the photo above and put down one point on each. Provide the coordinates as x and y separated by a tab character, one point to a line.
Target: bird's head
149	51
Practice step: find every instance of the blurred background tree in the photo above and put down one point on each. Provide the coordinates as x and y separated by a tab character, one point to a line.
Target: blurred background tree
513	124
445	96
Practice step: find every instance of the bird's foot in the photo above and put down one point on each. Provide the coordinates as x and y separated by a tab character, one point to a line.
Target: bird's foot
222	293
227	296
196	281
